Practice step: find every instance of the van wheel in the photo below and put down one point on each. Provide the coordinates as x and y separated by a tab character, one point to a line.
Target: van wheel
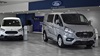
45	37
21	38
60	42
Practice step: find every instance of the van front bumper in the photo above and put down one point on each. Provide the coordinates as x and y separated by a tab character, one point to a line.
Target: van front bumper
79	41
4	35
11	36
83	42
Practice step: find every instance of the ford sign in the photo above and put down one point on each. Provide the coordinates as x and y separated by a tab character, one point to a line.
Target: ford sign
56	3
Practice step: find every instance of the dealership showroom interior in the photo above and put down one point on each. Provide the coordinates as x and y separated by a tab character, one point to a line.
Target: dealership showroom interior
49	27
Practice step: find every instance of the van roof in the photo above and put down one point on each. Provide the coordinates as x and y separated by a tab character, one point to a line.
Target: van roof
11	18
64	13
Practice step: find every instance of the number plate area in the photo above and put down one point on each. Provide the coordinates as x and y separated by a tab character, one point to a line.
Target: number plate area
85	39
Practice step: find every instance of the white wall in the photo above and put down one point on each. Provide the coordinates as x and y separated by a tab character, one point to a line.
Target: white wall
6	15
14	7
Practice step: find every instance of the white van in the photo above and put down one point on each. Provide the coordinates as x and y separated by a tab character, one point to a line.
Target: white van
11	27
68	29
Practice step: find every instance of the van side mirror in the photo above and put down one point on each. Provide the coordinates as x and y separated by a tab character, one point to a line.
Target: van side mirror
89	22
57	21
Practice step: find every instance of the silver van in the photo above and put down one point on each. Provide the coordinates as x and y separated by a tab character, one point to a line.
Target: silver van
68	29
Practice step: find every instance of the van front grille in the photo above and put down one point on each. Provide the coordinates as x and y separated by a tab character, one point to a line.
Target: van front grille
11	32
84	34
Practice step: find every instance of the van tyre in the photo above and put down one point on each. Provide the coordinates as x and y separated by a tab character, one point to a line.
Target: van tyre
88	46
60	42
45	37
21	38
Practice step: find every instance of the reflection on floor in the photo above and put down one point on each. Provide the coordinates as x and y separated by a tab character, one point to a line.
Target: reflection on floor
36	47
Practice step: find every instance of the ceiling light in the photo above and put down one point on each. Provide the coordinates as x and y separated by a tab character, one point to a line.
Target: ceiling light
52	11
38	12
68	10
17	13
88	9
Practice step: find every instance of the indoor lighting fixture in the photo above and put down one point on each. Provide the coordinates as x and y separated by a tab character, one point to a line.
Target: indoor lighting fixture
17	13
51	11
68	10
88	9
38	12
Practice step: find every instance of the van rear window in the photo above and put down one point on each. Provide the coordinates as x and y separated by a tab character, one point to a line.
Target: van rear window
11	23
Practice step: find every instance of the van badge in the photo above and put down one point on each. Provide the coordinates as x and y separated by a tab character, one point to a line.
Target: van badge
85	33
56	3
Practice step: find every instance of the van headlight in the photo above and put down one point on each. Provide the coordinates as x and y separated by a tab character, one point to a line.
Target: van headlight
69	33
20	29
1	29
68	30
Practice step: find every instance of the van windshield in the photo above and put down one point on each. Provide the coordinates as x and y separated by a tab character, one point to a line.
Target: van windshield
77	19
11	23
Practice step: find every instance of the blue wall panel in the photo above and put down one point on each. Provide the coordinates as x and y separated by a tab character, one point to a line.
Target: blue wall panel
36	23
47	4
22	17
25	17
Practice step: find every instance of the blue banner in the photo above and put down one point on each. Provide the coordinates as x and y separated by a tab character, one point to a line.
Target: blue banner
55	4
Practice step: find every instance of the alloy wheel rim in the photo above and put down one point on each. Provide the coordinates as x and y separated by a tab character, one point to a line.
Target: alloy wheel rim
44	36
59	41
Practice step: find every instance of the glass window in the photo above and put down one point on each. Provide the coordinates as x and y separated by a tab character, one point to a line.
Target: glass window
11	23
50	18
57	20
78	19
82	19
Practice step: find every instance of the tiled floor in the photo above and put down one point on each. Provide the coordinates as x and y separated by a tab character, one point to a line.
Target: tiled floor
36	47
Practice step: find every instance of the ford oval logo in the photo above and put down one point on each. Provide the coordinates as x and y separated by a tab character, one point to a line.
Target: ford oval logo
85	33
56	3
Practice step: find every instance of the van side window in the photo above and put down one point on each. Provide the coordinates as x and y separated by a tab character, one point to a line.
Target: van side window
57	20
82	18
50	18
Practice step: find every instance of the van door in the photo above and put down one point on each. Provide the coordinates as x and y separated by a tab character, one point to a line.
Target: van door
57	26
50	25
